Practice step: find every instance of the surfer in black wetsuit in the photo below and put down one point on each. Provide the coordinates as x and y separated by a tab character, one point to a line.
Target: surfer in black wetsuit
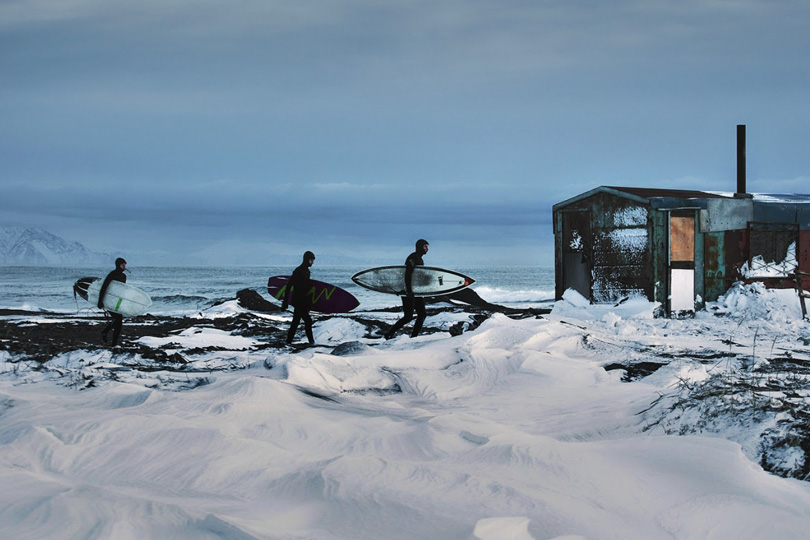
116	319
409	301
297	289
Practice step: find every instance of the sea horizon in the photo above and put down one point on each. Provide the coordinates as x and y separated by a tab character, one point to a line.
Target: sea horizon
178	290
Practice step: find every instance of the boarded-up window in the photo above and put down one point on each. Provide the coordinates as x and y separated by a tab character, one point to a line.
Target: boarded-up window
682	238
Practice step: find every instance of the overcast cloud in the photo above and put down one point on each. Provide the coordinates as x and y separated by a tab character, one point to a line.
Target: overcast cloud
245	132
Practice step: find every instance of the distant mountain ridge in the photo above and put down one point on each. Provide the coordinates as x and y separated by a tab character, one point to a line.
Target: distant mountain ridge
31	246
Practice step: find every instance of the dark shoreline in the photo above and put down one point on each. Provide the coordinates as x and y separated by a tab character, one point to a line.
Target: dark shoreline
60	333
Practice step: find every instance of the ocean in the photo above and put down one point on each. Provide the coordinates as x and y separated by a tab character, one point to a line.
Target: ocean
178	291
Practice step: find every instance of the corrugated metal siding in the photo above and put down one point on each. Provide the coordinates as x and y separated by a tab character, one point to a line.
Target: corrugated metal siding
621	253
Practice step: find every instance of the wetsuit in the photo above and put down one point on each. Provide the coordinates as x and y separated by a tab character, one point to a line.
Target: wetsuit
299	285
409	301
116	319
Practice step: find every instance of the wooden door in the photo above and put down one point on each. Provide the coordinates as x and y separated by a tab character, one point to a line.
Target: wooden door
681	262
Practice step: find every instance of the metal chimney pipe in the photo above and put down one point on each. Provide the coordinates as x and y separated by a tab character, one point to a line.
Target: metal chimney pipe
741	188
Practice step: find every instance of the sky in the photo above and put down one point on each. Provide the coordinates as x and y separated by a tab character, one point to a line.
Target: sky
246	132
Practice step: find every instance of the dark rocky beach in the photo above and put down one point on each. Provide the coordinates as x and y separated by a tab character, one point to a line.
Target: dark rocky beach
40	336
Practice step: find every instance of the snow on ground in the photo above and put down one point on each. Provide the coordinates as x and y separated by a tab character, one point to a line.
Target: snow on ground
520	429
200	337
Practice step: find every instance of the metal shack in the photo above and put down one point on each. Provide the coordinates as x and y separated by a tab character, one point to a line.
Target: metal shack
676	247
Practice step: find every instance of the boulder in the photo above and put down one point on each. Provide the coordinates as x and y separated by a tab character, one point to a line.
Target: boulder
250	299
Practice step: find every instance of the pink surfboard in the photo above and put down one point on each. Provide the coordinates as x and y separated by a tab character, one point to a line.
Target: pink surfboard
323	297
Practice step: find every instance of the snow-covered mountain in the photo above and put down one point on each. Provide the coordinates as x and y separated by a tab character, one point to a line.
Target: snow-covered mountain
30	246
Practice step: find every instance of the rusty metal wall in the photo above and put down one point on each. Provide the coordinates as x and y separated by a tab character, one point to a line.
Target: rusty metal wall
628	244
804	256
724	254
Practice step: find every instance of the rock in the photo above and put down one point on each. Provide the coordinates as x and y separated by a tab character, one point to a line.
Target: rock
350	347
250	299
469	296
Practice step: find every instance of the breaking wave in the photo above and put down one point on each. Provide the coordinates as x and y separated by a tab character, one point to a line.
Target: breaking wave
498	295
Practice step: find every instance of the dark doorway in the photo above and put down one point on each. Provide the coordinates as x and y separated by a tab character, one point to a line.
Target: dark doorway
576	248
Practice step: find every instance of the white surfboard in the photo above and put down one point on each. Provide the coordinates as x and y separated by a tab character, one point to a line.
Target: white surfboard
426	281
119	297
